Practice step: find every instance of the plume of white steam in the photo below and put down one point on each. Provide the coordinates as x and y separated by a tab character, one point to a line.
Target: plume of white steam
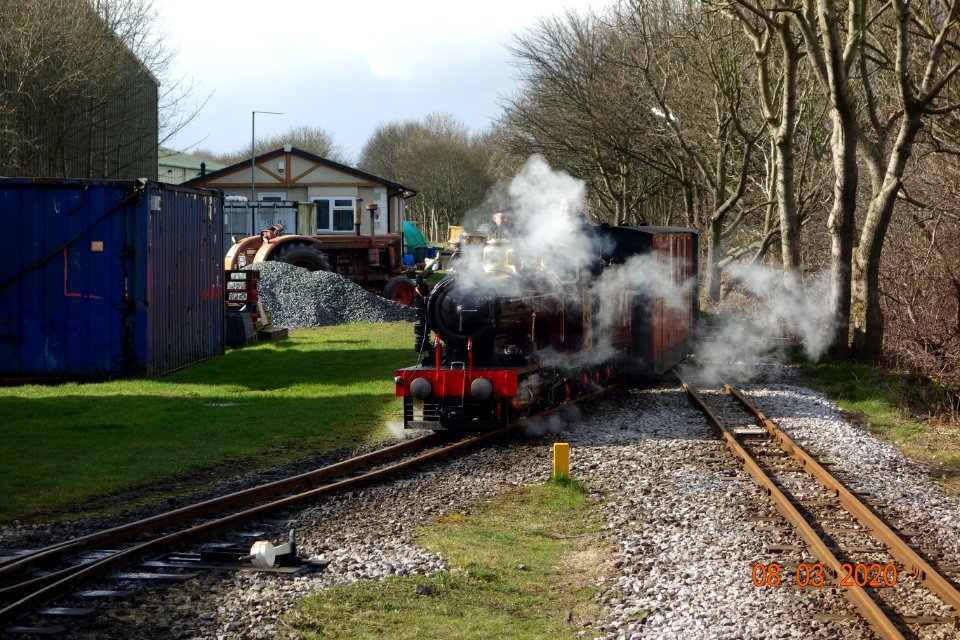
647	275
642	275
548	207
553	423
803	311
397	432
547	223
549	227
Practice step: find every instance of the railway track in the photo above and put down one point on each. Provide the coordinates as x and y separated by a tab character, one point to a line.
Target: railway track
847	544
37	577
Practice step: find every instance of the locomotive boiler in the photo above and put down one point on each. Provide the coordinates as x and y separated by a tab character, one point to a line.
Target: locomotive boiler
518	331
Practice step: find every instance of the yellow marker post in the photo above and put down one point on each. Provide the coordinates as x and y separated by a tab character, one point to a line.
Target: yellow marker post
561	459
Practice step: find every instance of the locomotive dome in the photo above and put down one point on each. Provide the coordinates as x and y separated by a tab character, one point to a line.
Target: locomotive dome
499	257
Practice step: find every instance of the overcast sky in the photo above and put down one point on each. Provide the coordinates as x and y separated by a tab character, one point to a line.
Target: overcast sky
347	66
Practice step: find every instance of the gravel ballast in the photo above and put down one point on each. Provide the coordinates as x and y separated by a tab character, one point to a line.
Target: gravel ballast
683	527
296	297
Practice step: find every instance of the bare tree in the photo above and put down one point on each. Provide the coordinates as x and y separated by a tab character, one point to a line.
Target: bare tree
891	66
316	140
883	73
573	109
769	27
832	55
692	67
80	84
649	104
440	159
908	50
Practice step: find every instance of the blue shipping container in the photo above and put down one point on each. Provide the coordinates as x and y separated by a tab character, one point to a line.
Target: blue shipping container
109	278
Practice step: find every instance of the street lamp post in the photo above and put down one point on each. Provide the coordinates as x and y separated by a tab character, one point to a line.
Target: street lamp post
253	150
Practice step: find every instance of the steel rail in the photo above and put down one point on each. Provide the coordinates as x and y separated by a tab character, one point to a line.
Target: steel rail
90	571
21	562
928	576
50	586
874	615
191	512
123	532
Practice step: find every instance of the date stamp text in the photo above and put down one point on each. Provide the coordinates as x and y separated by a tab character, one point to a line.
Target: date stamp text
816	575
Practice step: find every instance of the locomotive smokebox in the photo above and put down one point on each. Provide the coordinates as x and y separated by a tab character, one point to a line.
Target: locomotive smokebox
458	313
507	315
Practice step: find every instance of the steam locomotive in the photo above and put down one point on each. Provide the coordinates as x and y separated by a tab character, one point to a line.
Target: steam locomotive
518	331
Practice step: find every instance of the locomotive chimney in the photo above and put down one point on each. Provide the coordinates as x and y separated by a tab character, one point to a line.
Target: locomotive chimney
357	216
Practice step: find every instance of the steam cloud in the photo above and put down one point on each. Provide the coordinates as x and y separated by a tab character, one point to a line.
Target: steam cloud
549	227
553	423
803	312
397	432
548	224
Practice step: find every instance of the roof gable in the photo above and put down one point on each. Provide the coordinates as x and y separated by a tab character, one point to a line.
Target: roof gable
309	168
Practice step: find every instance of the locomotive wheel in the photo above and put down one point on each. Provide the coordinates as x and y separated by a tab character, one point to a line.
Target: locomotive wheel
301	255
399	289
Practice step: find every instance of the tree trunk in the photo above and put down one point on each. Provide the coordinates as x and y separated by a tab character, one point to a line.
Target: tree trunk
841	224
866	314
786	188
714	256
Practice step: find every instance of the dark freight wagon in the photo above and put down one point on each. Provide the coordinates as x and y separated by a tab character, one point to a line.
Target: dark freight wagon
108	278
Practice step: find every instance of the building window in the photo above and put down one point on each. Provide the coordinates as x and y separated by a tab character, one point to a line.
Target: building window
274	196
334	214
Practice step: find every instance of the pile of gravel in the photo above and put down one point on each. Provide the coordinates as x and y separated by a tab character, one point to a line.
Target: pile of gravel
296	297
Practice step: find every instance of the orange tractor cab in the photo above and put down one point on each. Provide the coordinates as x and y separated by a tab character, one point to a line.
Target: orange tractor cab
373	262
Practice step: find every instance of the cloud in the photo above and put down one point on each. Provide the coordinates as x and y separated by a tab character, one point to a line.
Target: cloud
349	66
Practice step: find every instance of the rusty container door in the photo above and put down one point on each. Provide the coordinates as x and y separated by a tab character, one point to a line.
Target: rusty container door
184	277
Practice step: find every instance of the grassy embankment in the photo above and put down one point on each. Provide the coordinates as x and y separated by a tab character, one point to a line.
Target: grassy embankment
907	410
522	566
264	404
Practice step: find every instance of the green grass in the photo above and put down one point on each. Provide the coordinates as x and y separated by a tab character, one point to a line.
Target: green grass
437	276
898	407
265	403
522	567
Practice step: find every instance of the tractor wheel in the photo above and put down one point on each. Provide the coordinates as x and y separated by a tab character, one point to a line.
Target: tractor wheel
399	289
301	255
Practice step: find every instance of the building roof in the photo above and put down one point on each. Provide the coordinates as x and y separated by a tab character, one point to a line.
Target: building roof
171	158
407	192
